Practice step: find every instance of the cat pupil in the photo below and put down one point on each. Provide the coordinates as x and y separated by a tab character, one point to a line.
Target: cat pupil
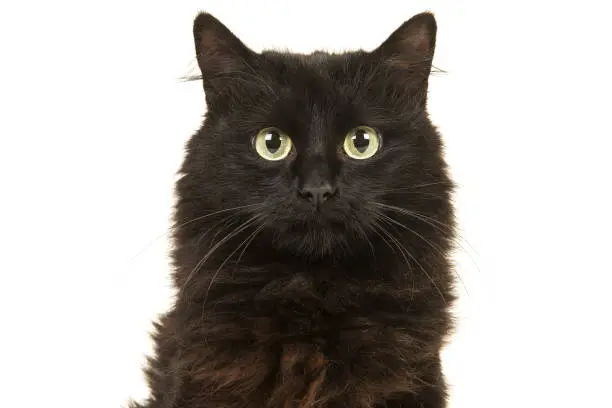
361	140
273	141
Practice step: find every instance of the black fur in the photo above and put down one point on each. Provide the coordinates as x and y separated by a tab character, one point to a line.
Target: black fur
284	304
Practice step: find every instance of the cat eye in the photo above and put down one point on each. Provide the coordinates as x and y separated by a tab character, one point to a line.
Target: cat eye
361	142
272	144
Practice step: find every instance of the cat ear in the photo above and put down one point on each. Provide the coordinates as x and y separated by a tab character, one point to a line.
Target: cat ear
218	50
412	45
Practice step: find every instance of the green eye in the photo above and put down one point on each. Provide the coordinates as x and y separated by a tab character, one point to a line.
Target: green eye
361	143
272	144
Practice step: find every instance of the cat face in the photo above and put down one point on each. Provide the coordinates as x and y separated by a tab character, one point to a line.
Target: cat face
312	149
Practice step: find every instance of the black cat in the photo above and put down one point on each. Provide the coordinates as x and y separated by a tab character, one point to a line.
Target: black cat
313	228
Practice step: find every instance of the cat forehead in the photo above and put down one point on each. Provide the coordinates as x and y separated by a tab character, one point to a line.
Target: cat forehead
326	81
317	65
316	58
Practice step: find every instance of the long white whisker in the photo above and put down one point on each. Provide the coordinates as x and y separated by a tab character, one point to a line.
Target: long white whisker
376	228
412	213
435	183
395	248
410	192
229	236
430	221
405	252
241	207
364	234
174	227
247	241
257	231
228	221
431	244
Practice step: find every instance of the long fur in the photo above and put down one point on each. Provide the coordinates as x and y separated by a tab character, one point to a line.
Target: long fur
282	307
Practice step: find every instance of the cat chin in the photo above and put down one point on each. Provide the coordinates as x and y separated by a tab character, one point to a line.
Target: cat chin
311	249
322	241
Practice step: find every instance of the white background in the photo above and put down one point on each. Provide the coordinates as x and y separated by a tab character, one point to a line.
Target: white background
93	121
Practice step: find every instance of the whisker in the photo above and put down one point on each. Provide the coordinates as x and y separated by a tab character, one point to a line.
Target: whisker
253	236
411	191
431	244
260	77
428	220
435	183
247	240
234	75
364	235
405	252
412	213
241	207
375	229
174	227
228	221
229	236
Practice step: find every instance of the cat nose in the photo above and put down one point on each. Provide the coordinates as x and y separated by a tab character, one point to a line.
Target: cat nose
318	194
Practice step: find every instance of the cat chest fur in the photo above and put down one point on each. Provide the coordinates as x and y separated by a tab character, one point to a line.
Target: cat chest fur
305	346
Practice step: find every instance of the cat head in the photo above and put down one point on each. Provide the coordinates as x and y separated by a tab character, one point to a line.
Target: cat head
312	152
